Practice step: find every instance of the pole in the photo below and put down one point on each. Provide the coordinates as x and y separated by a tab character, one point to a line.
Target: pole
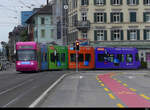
76	60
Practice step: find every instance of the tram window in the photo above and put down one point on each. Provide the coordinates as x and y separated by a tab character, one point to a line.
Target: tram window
88	57
57	57
80	58
63	57
136	57
73	57
129	58
52	56
111	58
101	57
120	57
44	57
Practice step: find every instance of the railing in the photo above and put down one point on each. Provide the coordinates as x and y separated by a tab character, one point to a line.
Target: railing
83	25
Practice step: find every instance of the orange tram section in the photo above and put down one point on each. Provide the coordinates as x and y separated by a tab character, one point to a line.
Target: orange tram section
86	59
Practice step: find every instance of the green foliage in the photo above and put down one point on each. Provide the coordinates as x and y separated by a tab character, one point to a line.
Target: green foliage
24	35
143	64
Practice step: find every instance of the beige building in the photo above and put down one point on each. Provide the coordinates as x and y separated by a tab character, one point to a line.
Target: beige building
111	23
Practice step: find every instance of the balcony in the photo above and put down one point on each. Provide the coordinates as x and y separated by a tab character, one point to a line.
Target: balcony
83	25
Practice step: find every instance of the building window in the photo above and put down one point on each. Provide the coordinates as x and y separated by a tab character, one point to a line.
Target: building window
116	17
146	16
146	2
84	2
99	2
116	34
132	16
116	2
146	34
132	2
100	35
42	33
42	20
52	33
84	35
84	16
133	34
100	17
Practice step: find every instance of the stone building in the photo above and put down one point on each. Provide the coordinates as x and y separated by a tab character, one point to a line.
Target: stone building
120	23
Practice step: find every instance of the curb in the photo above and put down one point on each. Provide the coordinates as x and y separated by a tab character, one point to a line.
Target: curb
44	94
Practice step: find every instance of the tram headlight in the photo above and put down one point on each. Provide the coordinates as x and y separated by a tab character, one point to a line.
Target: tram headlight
32	63
18	63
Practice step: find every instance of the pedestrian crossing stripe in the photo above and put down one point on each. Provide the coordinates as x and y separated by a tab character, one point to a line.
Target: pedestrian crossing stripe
120	105
146	97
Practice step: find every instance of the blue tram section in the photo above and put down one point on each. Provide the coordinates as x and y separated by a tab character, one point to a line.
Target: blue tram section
116	58
44	57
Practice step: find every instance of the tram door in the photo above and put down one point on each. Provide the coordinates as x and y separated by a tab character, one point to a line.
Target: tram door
44	58
148	59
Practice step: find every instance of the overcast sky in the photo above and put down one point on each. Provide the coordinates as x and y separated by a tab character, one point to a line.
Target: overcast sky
10	14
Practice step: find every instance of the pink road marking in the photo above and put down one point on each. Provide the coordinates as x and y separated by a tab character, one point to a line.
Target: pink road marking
128	97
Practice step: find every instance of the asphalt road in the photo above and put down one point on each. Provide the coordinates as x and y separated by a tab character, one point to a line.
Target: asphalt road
100	88
124	88
22	89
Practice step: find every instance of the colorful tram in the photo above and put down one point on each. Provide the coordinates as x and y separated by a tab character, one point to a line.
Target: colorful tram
85	58
116	58
58	57
40	57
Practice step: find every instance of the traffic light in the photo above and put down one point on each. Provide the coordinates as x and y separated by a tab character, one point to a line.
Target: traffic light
77	46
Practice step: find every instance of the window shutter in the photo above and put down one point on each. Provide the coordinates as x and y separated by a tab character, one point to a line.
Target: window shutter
122	37
120	2
111	17
104	2
144	16
138	34
144	2
121	16
87	2
128	34
94	2
111	1
137	2
132	16
105	17
144	34
95	35
112	35
95	17
105	34
128	2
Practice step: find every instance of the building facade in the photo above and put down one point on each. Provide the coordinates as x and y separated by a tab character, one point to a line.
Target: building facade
40	25
60	19
24	16
111	23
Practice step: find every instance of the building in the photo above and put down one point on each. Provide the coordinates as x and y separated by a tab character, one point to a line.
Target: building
24	16
60	19
121	23
40	25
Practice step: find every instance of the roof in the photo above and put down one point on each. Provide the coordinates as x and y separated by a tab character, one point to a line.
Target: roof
47	9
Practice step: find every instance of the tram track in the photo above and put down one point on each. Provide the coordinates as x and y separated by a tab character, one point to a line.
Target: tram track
23	92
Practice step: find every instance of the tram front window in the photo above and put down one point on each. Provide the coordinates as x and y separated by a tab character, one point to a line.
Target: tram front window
26	55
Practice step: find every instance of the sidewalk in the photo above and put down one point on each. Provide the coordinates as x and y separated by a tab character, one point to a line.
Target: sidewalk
12	69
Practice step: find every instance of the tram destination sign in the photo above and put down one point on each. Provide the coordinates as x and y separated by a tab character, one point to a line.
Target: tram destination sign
26	47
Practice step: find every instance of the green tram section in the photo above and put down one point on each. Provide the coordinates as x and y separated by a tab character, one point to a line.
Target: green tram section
58	57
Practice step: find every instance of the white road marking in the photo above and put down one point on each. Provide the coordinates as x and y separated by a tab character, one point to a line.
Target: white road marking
46	92
16	86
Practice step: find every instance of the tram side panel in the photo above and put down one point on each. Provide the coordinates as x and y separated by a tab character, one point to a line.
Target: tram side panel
85	58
